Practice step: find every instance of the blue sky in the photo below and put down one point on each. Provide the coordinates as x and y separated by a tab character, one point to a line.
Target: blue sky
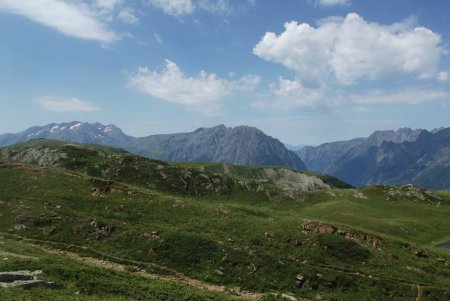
304	71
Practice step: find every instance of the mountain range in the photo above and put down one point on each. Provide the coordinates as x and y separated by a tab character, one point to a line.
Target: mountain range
403	156
242	145
400	156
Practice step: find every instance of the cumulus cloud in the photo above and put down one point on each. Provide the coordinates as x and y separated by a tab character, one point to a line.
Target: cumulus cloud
71	19
407	96
329	3
348	50
197	92
292	93
55	104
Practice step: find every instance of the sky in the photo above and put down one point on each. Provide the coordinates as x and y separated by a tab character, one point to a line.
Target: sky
303	71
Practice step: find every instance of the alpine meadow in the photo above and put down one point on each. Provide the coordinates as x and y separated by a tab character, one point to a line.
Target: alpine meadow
189	150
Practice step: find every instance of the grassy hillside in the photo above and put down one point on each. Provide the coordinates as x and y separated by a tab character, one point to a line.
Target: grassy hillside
377	243
81	278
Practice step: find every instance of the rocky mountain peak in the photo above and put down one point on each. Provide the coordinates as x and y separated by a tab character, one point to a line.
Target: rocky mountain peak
397	136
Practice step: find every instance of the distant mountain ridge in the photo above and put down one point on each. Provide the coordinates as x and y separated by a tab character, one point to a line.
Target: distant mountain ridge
386	157
82	132
241	145
323	157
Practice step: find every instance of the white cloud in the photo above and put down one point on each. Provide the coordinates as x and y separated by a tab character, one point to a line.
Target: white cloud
158	39
127	15
290	93
56	104
197	92
186	7
443	76
108	4
71	19
287	94
214	6
347	50
174	7
406	96
329	3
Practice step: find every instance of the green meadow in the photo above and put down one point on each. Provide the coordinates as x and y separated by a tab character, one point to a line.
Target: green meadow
232	230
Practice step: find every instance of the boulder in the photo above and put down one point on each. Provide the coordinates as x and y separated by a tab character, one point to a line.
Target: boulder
300	281
421	254
23	279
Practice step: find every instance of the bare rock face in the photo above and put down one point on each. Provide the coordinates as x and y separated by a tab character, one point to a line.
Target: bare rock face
242	145
309	226
295	180
42	156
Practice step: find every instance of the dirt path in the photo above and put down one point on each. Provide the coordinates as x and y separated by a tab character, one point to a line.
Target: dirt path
419	293
111	265
179	278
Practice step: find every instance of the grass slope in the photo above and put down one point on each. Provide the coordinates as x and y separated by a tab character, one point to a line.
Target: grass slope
232	238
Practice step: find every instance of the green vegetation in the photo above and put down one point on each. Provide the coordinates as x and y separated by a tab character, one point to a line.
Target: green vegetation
79	281
115	206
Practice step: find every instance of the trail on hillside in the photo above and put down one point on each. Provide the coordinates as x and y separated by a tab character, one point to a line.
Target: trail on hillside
178	277
174	277
373	277
419	293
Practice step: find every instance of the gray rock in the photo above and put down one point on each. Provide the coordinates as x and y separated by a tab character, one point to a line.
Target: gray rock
23	279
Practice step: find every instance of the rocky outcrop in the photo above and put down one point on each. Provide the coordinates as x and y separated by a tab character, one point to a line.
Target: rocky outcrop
412	192
101	187
42	156
23	279
311	226
294	180
94	230
101	230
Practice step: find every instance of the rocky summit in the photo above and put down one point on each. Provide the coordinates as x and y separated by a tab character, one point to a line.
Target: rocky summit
239	145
